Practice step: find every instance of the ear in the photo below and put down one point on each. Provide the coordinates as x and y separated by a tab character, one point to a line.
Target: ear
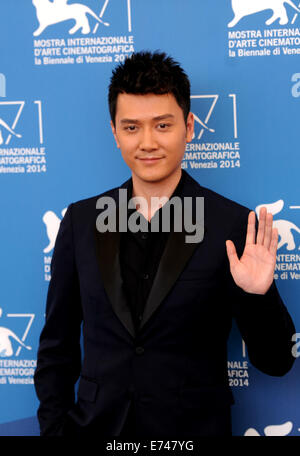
113	129
190	127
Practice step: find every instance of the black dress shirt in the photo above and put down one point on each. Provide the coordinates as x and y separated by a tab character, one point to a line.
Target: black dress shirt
140	255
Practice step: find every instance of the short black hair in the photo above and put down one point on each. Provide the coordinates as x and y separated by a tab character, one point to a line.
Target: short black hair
149	72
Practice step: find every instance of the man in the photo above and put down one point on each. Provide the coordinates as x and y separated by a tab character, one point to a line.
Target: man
156	307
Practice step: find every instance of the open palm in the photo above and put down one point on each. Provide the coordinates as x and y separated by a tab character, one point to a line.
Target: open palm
254	271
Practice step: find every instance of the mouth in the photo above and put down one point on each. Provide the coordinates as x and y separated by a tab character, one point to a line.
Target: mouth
150	159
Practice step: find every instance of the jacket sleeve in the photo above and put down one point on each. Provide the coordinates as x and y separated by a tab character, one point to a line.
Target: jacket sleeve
263	320
59	353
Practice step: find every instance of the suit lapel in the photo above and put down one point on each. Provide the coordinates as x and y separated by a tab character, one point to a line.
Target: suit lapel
107	248
175	257
177	251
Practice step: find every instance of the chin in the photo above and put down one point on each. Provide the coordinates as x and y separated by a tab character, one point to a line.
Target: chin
153	177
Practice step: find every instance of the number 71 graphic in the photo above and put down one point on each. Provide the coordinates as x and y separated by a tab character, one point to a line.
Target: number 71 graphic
12	127
30	321
215	98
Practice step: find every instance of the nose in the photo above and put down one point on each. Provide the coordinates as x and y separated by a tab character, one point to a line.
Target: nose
147	140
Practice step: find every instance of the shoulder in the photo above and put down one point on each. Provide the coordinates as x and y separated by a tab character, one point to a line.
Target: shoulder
221	214
214	200
88	206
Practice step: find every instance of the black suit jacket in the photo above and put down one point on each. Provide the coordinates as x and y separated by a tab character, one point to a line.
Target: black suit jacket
174	369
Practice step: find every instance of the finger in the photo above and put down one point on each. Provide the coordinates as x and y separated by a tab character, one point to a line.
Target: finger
268	230
250	237
261	226
231	253
274	242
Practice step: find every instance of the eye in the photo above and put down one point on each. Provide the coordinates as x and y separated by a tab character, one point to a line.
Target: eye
163	126
131	128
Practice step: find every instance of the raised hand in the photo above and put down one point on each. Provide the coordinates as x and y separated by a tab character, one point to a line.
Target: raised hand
254	271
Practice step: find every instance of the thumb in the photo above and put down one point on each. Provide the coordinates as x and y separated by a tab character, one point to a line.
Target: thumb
231	253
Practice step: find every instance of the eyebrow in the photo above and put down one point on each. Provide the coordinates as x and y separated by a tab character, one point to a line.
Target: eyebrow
157	118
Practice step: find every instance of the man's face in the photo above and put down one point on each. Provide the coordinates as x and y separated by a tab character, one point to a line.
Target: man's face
151	132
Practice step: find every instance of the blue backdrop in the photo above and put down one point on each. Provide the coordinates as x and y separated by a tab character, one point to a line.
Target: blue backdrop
56	147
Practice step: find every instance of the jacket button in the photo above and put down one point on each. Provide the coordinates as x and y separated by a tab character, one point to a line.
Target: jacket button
139	350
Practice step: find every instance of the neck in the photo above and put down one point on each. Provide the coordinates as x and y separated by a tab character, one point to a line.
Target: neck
161	190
